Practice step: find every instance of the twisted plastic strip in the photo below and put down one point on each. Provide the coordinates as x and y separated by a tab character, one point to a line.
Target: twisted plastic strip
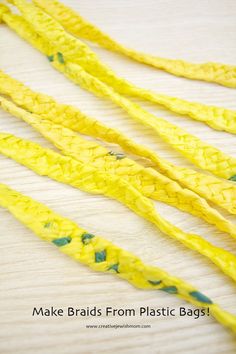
201	154
102	255
220	192
146	180
67	170
76	25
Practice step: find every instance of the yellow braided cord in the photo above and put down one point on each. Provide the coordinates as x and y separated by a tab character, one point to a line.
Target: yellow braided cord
216	117
102	255
146	180
76	25
67	170
198	152
218	191
78	52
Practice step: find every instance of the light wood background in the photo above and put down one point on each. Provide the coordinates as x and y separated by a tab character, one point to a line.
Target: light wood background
34	273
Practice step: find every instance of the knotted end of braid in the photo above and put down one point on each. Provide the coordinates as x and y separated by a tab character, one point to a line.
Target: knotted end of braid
3	10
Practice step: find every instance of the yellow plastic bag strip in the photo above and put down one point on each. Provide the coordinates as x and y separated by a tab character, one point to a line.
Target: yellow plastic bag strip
67	170
146	180
78	26
218	191
204	156
102	255
195	150
78	52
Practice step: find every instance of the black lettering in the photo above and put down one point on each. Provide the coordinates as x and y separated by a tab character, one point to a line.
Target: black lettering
182	311
37	312
70	311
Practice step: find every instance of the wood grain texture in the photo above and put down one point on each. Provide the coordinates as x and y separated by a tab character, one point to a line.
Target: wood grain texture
34	273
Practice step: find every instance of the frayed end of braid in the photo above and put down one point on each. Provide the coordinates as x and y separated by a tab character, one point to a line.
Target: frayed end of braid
3	10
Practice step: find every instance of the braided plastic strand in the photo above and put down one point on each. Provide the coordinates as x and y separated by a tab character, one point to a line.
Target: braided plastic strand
78	26
146	180
201	154
198	152
220	192
102	255
67	170
76	51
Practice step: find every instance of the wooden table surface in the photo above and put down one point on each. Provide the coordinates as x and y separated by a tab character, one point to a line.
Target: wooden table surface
35	274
